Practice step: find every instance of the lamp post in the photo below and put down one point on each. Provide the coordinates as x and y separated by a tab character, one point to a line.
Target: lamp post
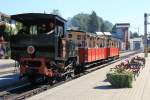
145	34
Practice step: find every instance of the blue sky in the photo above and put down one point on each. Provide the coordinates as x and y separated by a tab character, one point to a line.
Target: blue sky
115	11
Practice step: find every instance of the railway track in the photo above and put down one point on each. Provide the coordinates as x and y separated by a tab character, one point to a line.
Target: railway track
27	90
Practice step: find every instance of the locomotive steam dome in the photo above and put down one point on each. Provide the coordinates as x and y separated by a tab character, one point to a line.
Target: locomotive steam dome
30	49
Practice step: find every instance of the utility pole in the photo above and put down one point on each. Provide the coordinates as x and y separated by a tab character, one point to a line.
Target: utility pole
145	35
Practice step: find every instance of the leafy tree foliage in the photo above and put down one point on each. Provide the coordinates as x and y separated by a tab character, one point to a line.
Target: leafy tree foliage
114	28
106	26
134	35
80	21
89	22
93	23
5	31
100	22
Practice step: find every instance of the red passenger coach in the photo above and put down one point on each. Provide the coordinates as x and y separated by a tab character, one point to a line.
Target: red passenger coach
94	48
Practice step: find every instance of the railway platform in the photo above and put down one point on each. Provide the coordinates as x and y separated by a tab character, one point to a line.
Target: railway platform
6	63
8	72
7	66
94	86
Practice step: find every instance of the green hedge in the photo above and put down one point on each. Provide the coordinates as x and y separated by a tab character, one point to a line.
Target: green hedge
120	80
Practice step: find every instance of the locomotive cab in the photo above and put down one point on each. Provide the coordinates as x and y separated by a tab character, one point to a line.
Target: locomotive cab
44	32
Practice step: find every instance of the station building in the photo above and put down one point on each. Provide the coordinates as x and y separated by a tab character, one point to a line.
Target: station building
136	44
122	29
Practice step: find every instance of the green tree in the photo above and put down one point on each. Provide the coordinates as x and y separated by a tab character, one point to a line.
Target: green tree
100	22
89	22
80	21
114	28
103	27
134	35
93	23
106	26
5	31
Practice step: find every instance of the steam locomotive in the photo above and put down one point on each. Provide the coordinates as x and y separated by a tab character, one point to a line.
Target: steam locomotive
44	48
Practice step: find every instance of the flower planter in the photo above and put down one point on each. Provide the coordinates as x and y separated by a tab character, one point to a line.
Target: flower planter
120	80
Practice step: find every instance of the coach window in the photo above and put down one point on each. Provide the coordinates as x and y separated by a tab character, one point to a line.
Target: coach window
69	35
105	43
83	43
79	45
78	37
113	44
88	36
84	37
116	44
102	43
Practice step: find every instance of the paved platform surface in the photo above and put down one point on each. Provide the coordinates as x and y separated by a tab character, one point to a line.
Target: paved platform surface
6	63
94	87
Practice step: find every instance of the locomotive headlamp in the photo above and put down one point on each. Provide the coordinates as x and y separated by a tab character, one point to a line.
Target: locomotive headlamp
30	49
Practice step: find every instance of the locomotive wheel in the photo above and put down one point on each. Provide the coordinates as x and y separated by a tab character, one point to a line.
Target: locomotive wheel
66	77
72	74
51	80
69	76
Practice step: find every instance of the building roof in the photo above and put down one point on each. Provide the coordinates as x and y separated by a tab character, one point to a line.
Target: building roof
99	33
107	33
124	25
104	33
117	35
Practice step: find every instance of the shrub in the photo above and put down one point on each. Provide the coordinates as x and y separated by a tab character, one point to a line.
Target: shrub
120	80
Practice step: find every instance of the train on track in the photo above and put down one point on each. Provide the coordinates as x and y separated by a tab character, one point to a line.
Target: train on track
44	48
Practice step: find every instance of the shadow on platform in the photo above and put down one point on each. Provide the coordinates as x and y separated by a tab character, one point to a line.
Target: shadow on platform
104	87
